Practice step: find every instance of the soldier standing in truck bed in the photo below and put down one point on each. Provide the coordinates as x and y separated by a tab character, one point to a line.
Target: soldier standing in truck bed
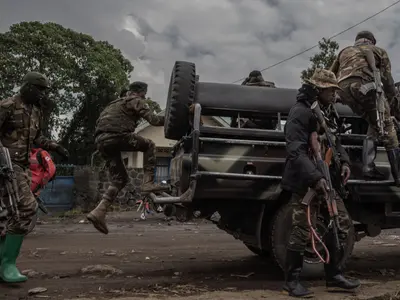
115	133
255	78
354	75
300	174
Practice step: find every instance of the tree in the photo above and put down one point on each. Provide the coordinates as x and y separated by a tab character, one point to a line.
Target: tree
84	74
323	59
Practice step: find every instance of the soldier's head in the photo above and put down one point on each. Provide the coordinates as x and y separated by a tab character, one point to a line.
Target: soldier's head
256	79
138	88
366	35
34	88
325	82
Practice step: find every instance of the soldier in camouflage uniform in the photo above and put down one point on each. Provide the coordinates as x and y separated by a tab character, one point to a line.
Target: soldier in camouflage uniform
353	73
301	173
20	128
255	79
115	133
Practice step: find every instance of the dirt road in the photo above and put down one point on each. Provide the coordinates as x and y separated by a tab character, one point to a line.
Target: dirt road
155	260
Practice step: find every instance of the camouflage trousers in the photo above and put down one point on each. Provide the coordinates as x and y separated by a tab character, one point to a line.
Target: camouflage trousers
27	205
300	232
111	145
365	106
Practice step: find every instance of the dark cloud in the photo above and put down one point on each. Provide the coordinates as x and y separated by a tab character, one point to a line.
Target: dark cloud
225	38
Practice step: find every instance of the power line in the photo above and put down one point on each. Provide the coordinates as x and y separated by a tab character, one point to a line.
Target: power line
332	37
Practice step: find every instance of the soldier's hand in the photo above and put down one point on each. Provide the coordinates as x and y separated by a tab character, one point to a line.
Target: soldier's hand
322	188
345	173
62	152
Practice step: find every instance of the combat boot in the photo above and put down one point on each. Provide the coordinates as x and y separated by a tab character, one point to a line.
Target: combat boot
149	186
393	157
98	216
368	156
333	270
293	267
11	246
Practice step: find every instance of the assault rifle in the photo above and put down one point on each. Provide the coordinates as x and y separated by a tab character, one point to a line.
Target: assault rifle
331	158
377	86
9	181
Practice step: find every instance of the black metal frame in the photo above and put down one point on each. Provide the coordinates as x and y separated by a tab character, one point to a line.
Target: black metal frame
188	195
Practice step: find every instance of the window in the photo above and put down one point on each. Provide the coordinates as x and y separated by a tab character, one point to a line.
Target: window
162	169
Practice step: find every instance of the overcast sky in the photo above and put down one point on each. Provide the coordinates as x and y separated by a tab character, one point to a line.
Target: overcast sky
225	38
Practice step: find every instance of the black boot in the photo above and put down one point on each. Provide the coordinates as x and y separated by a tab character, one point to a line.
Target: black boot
368	156
393	156
333	271
294	265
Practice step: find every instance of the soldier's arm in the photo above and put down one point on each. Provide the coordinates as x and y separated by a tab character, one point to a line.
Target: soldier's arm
299	126
335	66
6	109
143	110
45	143
344	157
386	76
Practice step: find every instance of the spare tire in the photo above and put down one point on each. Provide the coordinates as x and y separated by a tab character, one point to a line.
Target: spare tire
181	94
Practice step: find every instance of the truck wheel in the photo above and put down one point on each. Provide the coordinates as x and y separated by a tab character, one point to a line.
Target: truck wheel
280	230
181	94
259	252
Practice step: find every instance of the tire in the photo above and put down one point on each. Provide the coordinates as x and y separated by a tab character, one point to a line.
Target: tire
259	252
279	234
32	225
181	94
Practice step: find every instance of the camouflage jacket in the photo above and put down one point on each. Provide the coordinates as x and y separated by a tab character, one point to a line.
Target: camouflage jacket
123	115
351	62
20	125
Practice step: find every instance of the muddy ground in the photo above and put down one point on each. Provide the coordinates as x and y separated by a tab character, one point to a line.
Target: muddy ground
156	259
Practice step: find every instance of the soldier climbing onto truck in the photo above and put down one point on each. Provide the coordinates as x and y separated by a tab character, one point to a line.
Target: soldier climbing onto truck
362	70
115	132
255	78
301	174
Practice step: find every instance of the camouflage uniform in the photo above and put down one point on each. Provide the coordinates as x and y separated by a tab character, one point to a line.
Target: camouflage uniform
353	72
255	79
20	123
115	134
300	174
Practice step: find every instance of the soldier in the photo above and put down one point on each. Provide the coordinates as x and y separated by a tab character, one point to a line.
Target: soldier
115	133
301	173
20	127
256	79
354	75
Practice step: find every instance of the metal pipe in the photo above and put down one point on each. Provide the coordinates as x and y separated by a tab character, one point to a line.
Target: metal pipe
242	142
221	175
235	176
186	197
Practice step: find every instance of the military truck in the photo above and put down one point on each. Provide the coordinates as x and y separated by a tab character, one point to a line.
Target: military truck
235	173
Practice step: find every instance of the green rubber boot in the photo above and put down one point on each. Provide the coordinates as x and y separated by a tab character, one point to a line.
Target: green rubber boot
10	249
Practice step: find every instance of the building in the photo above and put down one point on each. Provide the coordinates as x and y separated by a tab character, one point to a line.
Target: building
163	146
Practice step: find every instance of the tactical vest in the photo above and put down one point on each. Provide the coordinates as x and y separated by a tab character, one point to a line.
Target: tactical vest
116	118
354	64
20	130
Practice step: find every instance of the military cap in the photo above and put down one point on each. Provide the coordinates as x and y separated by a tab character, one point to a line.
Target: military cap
323	79
365	34
138	86
255	73
36	78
